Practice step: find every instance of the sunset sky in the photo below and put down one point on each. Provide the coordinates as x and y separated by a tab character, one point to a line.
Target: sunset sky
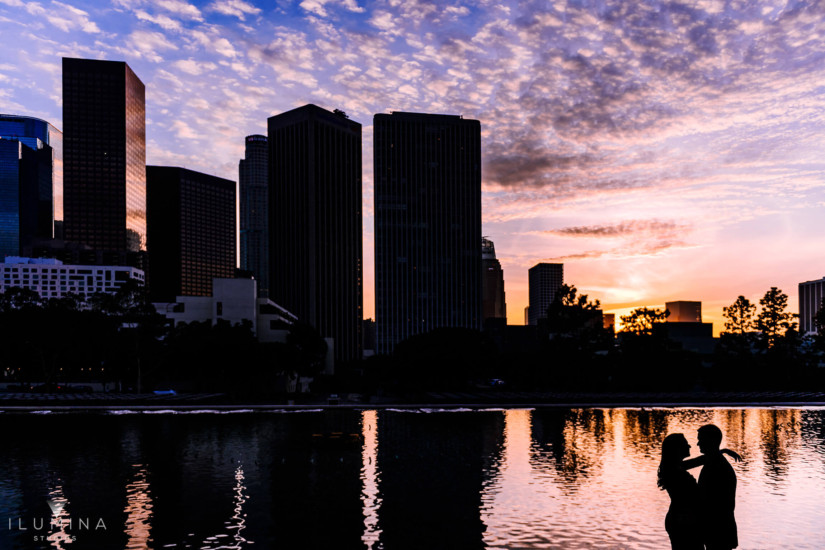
660	150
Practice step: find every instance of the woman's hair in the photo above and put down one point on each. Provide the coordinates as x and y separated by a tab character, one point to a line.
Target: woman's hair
671	459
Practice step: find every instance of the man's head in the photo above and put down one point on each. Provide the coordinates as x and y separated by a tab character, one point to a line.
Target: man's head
710	438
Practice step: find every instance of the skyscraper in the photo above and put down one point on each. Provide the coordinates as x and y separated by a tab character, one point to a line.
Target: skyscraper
315	230
191	231
254	197
31	183
427	225
543	282
492	283
105	155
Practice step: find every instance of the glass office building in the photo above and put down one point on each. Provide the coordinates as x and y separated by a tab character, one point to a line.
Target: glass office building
191	231
105	153
31	182
427	225
254	194
543	280
315	232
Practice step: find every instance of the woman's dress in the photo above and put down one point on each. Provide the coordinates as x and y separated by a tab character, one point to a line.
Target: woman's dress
681	521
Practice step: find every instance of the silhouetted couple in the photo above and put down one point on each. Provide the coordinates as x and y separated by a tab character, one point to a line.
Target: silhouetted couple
701	514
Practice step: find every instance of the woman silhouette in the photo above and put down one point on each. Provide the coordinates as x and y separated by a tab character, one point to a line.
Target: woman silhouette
681	522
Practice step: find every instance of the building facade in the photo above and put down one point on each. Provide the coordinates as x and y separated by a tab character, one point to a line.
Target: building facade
810	302
427	225
543	281
684	312
104	179
234	301
254	208
315	233
191	231
492	283
52	278
31	183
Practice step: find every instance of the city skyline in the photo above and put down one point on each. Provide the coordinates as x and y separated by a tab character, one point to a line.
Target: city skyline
660	152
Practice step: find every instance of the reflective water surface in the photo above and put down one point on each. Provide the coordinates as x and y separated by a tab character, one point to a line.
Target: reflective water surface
392	479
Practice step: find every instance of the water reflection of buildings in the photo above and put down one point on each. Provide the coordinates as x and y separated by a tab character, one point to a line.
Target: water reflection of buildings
369	478
433	468
59	537
583	478
315	488
138	511
236	524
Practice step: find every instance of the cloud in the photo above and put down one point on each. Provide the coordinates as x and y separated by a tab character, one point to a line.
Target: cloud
184	131
319	7
524	162
162	21
149	44
69	18
192	67
633	250
181	8
623	229
235	8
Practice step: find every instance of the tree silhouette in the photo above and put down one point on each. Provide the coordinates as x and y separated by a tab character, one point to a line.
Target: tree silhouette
739	316
309	347
570	312
773	321
640	321
17	298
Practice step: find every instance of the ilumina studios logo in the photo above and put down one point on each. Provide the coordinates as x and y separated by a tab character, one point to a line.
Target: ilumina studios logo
60	525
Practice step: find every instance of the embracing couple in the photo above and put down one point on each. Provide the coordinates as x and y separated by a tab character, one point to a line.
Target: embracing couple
701	514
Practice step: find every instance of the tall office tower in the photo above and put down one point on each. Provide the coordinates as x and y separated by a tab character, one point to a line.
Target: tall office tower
492	283
191	231
810	302
105	155
543	282
315	230
684	312
31	183
427	225
254	195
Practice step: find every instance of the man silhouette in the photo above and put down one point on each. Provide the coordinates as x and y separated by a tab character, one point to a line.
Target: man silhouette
717	493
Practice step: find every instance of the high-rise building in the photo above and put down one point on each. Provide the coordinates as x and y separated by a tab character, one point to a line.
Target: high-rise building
684	312
31	183
543	282
492	283
427	225
105	155
191	231
810	302
254	197
315	234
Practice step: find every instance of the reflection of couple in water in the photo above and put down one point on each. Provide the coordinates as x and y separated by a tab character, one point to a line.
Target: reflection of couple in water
701	514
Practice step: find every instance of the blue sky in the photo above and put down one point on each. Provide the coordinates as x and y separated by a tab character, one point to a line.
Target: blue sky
661	150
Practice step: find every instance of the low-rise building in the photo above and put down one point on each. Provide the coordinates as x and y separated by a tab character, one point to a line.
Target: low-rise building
684	311
235	301
52	278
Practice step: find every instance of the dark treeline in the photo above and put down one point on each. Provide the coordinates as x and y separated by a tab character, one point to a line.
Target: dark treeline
119	339
572	351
